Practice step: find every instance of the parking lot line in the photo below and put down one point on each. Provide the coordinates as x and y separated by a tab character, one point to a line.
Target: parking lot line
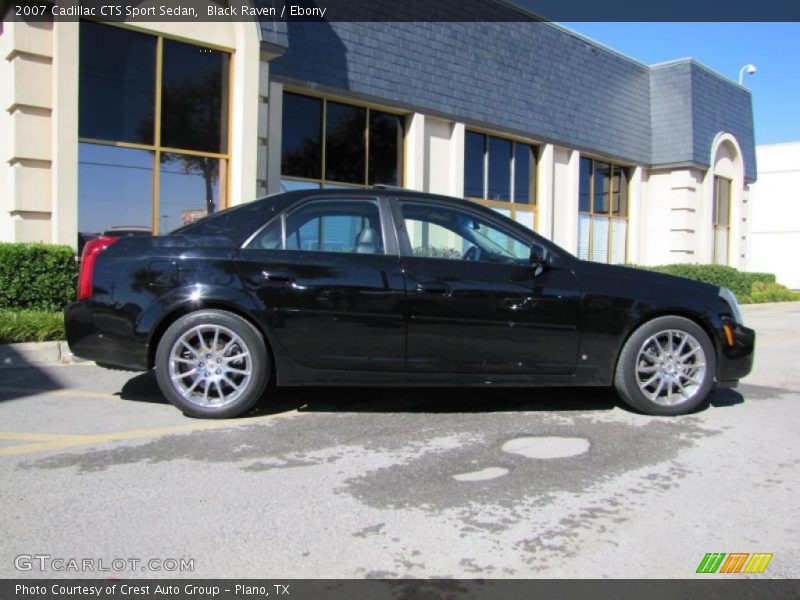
50	392
25	436
57	442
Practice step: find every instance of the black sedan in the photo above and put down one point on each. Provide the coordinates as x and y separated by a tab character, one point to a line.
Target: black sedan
391	287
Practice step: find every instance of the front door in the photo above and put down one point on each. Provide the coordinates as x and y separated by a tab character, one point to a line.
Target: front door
475	303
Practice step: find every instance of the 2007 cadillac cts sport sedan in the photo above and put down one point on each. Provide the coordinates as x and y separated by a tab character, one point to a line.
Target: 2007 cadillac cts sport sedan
393	287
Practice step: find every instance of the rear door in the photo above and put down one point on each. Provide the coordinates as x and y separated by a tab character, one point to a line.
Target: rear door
329	272
476	305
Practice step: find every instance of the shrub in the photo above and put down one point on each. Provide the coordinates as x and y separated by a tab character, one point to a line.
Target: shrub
748	287
37	276
770	292
30	326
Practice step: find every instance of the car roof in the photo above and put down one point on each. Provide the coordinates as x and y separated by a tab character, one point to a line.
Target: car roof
237	223
284	199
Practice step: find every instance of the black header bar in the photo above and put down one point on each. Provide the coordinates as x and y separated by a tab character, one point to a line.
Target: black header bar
286	11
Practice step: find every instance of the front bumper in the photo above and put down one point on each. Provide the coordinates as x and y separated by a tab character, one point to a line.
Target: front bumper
736	360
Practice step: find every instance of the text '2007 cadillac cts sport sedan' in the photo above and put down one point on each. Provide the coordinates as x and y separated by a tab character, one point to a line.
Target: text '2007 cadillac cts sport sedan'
391	287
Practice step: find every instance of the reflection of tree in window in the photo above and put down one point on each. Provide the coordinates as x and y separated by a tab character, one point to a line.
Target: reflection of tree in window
385	147
362	146
117	84
193	112
474	149
499	169
302	136
344	143
187	191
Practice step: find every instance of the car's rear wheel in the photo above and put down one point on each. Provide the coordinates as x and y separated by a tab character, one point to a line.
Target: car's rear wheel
212	364
666	367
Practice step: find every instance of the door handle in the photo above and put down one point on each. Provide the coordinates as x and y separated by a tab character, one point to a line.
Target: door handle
517	304
277	277
433	288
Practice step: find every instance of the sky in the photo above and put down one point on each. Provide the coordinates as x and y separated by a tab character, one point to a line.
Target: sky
774	48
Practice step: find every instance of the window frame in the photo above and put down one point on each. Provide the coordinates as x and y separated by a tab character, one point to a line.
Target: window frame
610	214
156	148
510	205
368	109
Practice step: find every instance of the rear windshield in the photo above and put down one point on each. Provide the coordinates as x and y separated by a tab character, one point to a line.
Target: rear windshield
234	224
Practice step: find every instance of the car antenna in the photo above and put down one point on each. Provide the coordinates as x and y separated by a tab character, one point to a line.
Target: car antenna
386	186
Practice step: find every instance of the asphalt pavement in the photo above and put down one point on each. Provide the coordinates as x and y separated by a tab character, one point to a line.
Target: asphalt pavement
365	482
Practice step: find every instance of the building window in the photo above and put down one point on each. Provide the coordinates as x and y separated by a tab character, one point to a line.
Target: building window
501	174
722	218
603	212
337	145
153	131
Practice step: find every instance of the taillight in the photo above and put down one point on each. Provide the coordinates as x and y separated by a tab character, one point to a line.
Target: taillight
88	258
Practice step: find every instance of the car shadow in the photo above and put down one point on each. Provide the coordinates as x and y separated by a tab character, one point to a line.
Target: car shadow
19	377
723	398
454	400
144	388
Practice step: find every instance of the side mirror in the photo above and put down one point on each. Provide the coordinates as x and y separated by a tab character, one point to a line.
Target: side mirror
538	256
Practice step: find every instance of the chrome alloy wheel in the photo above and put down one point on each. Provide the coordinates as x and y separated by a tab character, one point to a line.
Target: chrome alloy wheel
670	367
210	366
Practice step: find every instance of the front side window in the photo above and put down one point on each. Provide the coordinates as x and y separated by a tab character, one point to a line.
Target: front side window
336	145
153	117
722	218
435	231
350	226
501	174
603	211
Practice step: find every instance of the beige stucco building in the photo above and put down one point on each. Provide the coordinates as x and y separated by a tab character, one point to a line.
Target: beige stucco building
652	168
774	223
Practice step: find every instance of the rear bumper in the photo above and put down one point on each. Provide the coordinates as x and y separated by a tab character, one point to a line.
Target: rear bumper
105	346
736	361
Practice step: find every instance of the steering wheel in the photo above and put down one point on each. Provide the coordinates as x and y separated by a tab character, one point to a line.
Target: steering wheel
472	253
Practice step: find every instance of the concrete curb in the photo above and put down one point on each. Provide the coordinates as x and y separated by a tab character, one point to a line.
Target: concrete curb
21	355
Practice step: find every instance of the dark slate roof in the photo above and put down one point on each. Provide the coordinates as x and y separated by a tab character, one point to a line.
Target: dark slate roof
530	78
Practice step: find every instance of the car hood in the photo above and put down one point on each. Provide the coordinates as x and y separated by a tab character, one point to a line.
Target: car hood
643	277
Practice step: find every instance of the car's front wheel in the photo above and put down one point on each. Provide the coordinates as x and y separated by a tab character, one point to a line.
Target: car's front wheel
666	367
212	364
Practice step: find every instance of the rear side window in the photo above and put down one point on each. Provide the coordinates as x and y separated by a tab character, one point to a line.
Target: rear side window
349	226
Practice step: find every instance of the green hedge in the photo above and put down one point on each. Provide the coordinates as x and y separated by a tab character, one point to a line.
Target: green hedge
748	287
30	326
37	276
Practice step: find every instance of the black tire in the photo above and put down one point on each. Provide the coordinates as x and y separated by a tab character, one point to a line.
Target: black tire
627	381
250	345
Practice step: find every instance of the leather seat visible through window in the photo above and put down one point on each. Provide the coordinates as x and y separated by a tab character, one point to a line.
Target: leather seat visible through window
368	241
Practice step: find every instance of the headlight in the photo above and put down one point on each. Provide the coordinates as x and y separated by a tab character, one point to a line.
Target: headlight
730	298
